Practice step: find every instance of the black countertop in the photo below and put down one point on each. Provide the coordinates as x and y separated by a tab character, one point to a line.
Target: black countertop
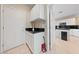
67	27
36	30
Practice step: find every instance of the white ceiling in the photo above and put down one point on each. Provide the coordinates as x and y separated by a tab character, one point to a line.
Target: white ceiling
65	10
61	11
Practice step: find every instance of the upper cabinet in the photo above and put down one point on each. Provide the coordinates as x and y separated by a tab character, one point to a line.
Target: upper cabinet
38	12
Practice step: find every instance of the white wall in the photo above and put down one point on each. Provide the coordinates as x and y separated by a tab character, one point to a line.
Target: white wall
69	21
39	24
16	19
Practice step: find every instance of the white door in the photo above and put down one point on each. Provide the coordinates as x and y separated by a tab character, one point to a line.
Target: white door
14	26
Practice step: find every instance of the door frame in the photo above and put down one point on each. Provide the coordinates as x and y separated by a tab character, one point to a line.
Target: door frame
50	26
2	29
47	25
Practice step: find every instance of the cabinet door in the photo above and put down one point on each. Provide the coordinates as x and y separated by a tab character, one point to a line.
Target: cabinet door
37	12
42	12
30	40
38	40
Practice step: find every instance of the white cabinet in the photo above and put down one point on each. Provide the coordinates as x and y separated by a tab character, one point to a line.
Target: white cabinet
29	40
34	41
74	32
37	12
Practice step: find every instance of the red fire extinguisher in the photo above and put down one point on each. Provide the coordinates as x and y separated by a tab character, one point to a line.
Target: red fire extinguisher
43	46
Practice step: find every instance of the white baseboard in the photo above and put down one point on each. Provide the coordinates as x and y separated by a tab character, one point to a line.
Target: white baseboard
13	47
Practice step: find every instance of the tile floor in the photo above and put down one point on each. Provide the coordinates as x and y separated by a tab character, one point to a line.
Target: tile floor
23	49
66	47
59	47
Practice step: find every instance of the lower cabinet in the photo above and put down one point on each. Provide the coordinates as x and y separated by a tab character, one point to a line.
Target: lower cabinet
34	41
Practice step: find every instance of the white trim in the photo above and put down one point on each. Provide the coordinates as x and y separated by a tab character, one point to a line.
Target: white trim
0	29
2	20
47	27
12	48
52	25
